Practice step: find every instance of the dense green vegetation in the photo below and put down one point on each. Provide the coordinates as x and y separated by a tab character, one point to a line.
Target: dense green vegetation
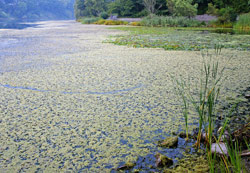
243	24
179	38
36	9
226	9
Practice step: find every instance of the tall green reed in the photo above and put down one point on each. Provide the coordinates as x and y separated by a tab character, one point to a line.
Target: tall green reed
242	26
210	79
205	101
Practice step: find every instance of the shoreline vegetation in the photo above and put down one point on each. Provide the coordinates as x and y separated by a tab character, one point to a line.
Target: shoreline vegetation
222	149
219	143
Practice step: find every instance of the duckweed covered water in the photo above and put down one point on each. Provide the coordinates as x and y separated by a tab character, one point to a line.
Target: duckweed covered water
103	104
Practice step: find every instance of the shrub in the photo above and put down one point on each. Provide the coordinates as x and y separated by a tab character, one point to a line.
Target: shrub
212	10
110	22
218	24
135	23
243	24
227	15
104	15
182	7
89	20
115	22
100	22
154	20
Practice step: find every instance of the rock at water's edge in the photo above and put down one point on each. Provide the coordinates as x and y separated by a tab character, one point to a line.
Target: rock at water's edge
219	148
170	142
163	161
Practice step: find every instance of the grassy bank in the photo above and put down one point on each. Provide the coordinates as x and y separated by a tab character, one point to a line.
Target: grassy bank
179	38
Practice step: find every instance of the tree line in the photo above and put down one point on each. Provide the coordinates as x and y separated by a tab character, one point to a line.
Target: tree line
37	9
139	8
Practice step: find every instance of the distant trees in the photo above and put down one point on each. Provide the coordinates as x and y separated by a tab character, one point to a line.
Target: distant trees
137	8
182	7
150	5
90	7
128	8
36	9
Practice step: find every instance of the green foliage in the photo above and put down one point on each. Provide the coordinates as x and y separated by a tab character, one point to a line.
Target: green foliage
104	15
94	7
212	10
243	24
191	39
239	6
234	157
182	7
150	6
226	15
154	20
100	21
89	20
135	23
90	8
202	5
226	9
110	22
126	8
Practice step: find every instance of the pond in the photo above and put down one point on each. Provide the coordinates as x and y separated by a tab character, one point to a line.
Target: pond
15	24
69	102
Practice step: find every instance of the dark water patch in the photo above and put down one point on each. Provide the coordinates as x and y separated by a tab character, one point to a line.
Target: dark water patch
224	31
15	25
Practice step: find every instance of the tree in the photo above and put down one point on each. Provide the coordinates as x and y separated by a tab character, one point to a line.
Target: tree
126	8
94	7
182	7
150	6
239	6
202	5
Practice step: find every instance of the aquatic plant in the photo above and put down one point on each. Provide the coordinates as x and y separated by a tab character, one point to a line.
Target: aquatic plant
180	90
243	24
208	93
164	21
192	39
110	22
211	78
89	20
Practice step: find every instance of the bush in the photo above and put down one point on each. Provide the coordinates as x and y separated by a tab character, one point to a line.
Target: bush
100	22
110	22
135	23
243	24
212	10
164	21
104	15
182	7
115	22
218	24
89	20
227	15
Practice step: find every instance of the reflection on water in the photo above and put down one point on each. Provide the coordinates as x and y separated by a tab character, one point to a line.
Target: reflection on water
15	25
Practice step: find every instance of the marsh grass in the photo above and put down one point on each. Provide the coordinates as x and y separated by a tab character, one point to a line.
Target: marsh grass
178	38
208	92
243	24
185	107
89	20
169	21
211	78
234	156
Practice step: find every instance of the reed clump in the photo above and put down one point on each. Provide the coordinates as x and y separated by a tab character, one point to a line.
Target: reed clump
242	26
204	102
